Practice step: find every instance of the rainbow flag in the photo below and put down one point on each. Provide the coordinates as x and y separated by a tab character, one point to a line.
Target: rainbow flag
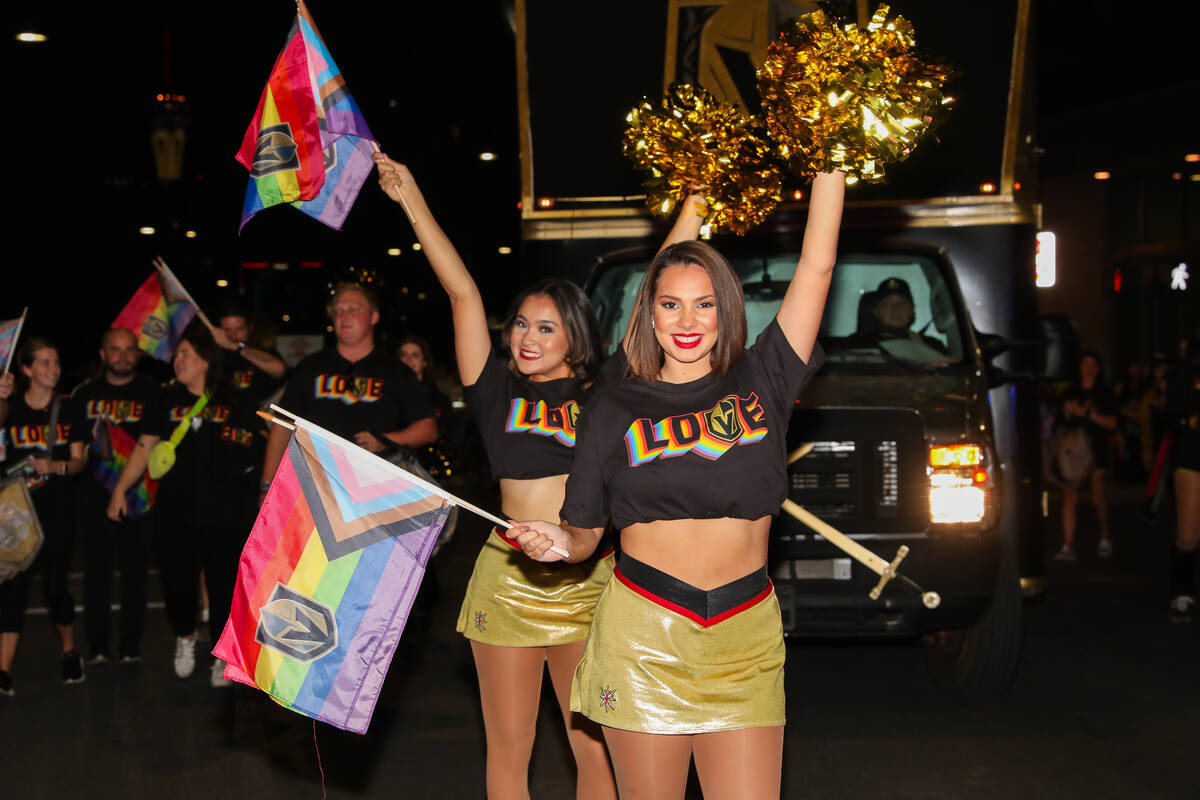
328	577
110	449
157	314
9	330
308	143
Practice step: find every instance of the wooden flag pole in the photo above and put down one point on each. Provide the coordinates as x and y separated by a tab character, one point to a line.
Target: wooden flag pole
12	351
403	204
431	487
162	267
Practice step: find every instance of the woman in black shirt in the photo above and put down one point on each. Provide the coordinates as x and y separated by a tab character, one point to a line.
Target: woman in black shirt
205	502
685	655
51	457
1091	405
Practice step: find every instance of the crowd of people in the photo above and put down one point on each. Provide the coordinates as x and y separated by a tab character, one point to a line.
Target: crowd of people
141	473
1145	427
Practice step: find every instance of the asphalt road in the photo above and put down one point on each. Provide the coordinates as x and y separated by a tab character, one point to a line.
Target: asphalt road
1104	705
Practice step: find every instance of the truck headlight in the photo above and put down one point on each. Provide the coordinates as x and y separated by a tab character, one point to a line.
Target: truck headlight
959	484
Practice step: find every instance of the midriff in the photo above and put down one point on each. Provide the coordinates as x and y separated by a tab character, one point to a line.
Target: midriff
706	553
533	498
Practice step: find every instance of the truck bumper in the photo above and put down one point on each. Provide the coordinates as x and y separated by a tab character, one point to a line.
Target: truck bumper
962	569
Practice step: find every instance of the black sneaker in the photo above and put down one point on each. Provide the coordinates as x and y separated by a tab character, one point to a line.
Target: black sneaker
1180	609
6	684
72	668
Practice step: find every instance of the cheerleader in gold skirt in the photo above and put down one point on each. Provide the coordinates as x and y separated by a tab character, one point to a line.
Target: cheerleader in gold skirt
519	614
685	655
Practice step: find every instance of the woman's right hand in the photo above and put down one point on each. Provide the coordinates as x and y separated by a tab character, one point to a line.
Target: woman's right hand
392	175
536	537
116	506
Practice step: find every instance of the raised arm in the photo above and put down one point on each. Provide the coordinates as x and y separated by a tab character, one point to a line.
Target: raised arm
800	312
687	226
472	344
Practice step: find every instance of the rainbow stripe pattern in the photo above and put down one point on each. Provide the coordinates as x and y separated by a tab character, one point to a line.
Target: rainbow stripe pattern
110	449
328	577
8	340
157	314
308	144
539	418
733	421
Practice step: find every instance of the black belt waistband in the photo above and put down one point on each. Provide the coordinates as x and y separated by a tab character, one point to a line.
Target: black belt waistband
706	607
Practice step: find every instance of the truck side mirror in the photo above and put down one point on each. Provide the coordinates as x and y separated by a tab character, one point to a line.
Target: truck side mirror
1062	347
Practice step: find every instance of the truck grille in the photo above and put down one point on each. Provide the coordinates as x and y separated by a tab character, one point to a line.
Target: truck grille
875	482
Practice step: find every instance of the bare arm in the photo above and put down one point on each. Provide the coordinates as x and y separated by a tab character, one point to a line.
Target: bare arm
130	475
421	432
472	344
269	363
686	228
72	466
277	441
538	536
800	312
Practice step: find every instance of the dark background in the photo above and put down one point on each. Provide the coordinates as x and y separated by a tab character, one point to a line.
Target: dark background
1116	84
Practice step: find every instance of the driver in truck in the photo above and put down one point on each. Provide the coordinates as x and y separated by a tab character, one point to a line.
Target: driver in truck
892	316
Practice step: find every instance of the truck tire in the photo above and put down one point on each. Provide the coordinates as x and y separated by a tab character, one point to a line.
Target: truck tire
982	659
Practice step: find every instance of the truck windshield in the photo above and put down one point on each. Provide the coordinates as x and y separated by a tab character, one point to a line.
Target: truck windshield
882	310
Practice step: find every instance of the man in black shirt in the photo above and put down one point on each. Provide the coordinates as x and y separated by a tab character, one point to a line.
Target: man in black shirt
251	369
130	404
353	389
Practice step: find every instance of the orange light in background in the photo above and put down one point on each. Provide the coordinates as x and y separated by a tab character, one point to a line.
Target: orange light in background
798	194
545	202
1102	175
987	188
956	455
1017	186
979	476
1192	158
1176	176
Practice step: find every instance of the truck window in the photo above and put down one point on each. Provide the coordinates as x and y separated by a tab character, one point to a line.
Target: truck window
883	310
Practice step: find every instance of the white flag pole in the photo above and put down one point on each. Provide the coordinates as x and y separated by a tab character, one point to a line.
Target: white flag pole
299	422
162	267
12	351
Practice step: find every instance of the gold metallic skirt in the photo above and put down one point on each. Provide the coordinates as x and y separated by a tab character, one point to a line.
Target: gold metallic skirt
665	657
514	601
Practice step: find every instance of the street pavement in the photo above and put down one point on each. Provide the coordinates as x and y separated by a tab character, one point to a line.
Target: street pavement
1104	705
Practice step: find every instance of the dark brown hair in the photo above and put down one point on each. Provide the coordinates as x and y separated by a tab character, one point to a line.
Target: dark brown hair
208	350
646	354
578	318
426	354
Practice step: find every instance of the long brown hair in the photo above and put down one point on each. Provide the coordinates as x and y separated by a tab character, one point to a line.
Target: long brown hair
646	354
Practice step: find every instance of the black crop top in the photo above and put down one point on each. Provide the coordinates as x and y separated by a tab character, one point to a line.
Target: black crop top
528	427
709	448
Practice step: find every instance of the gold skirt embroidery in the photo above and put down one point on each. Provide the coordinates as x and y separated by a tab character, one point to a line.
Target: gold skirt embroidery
514	601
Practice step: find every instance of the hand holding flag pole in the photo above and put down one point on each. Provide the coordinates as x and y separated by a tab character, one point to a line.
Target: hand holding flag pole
430	487
12	351
400	197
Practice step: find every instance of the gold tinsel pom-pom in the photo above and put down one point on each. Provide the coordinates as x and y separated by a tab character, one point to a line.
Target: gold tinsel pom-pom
840	97
692	140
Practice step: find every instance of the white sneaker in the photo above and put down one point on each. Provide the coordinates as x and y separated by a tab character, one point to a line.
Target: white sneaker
185	655
217	675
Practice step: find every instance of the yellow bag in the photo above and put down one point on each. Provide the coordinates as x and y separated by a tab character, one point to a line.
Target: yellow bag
162	455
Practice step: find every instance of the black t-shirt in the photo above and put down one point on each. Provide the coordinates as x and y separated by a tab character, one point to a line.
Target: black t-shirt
26	434
528	427
245	377
377	393
215	462
709	448
133	407
1099	399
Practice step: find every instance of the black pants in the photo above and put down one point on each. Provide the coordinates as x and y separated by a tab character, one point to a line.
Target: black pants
53	562
129	539
184	549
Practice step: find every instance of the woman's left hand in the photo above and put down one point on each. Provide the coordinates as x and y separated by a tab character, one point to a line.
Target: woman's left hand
537	537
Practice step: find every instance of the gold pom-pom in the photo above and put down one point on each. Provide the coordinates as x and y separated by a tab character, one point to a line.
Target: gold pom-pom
840	97
692	140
